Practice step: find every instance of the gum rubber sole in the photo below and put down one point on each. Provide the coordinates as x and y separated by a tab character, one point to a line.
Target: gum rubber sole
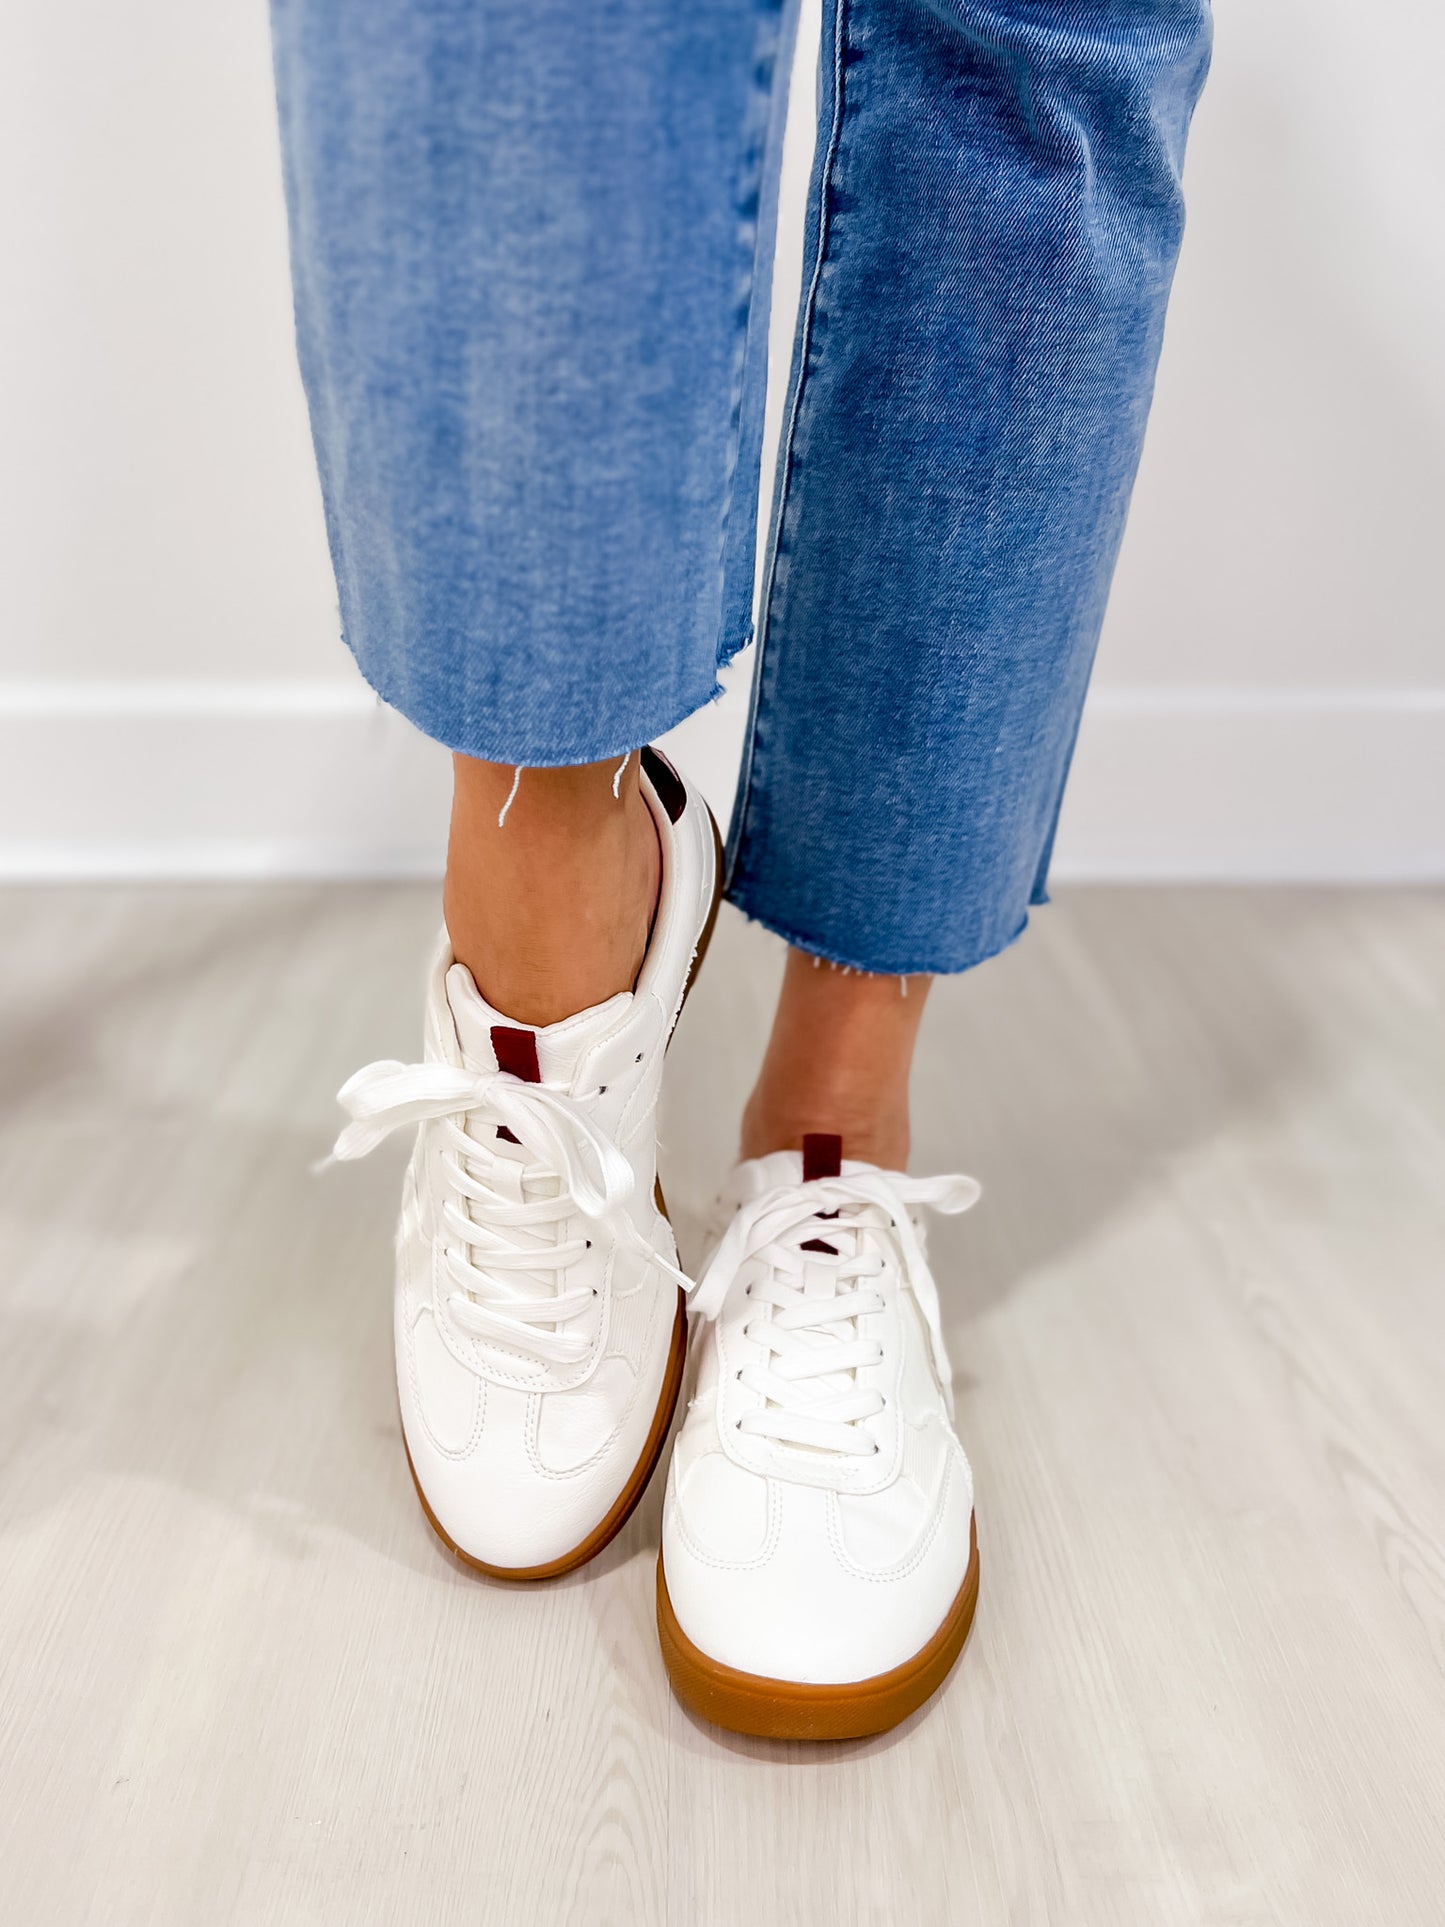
782	1709
637	1483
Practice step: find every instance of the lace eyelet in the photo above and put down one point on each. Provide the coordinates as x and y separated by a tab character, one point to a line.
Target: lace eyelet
638	1058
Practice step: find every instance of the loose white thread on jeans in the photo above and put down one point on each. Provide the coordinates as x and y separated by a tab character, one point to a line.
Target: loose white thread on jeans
511	796
617	775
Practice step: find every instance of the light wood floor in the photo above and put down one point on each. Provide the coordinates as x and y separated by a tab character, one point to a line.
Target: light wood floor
1199	1328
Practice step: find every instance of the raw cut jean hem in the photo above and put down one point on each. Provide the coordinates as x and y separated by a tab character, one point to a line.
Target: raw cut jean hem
443	726
872	964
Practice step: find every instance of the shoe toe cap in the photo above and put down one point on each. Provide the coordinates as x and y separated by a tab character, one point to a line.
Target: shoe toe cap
801	1609
512	1479
499	1509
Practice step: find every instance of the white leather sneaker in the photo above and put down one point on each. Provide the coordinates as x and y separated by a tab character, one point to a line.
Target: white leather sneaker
819	1564
540	1327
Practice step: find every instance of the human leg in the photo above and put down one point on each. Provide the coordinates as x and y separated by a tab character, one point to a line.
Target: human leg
838	1059
552	880
995	215
994	219
523	241
530	259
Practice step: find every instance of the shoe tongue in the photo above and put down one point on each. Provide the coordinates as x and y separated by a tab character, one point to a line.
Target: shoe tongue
820	1158
822	1155
783	1170
549	1053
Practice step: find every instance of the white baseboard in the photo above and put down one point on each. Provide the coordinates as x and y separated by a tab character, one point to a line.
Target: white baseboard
1257	785
318	780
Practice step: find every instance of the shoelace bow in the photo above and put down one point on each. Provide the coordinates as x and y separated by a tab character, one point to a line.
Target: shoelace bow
809	1385
492	1299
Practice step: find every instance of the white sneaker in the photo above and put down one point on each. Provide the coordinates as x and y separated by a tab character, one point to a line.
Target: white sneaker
819	1564
540	1328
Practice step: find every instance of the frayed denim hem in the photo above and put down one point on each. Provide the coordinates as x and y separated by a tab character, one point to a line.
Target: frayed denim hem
871	966
731	647
442	727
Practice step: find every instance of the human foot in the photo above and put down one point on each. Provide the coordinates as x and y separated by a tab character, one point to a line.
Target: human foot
819	1568
538	1322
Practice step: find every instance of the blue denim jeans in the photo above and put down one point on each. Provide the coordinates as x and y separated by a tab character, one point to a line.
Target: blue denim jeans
530	244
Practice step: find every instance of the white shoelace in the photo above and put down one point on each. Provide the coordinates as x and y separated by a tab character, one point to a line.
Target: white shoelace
505	1291
811	1392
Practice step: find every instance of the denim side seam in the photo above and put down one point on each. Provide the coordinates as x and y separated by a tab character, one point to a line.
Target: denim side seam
751	208
799	378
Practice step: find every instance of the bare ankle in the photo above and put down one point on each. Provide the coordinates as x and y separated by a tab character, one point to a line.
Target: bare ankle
550	907
838	1060
873	1135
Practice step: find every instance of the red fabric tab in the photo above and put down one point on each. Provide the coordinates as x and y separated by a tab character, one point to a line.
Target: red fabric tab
517	1052
822	1155
819	1244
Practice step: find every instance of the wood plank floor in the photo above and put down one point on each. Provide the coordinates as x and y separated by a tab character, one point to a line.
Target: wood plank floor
1199	1328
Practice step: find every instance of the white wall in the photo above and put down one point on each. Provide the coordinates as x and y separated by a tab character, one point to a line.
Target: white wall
173	697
